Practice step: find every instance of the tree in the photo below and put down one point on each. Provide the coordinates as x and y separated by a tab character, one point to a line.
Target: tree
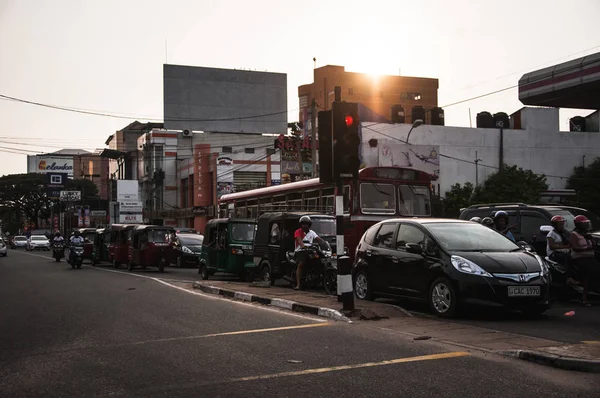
585	181
88	189
512	184
25	195
456	198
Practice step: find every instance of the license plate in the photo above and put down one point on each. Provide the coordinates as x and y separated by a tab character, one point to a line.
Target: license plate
521	291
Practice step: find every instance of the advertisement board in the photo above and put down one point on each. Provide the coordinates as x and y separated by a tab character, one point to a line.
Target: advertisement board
131	218
53	164
70	196
393	153
127	190
130	207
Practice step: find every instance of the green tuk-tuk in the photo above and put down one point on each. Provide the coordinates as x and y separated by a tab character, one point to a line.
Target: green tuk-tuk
101	243
227	248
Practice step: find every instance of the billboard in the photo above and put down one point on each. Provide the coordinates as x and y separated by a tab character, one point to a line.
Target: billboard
50	164
224	100
127	190
131	218
70	196
394	153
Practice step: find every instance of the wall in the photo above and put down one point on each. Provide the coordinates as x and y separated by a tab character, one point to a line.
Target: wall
95	168
194	97
539	146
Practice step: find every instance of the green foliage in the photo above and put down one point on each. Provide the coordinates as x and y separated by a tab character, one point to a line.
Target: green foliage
586	182
24	195
457	197
512	184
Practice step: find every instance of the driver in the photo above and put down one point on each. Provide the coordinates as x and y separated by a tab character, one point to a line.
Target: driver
58	239
76	238
304	233
501	224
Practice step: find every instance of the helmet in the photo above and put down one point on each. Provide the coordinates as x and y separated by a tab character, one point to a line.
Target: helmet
57	233
476	219
305	220
487	221
557	219
582	223
500	213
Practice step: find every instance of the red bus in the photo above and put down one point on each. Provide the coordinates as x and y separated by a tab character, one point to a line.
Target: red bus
377	194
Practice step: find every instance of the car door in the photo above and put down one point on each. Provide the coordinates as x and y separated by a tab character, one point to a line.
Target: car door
380	257
408	267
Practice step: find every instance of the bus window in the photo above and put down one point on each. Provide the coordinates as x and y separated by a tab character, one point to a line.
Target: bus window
377	198
415	200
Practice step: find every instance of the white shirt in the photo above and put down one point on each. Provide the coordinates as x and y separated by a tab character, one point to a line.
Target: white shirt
309	236
557	239
76	239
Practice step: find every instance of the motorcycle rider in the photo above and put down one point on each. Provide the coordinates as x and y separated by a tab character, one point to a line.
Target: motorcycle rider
58	238
557	244
501	224
476	219
76	240
304	233
582	253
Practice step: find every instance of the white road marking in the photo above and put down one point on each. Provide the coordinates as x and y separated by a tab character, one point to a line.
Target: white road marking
208	296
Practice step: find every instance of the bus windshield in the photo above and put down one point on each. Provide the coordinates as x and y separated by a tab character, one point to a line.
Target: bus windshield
415	200
323	226
377	198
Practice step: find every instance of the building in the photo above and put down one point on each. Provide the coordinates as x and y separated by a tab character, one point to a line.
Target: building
182	174
378	93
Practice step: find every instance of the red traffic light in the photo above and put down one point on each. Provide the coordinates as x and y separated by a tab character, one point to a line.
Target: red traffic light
349	120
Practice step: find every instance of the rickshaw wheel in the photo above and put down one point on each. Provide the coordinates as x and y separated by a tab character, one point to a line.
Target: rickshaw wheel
265	275
161	266
203	271
94	262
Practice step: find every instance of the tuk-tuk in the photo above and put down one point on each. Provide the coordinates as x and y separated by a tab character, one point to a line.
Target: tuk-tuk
227	248
101	244
118	248
89	235
150	247
275	237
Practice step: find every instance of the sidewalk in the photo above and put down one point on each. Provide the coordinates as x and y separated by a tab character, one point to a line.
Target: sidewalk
580	357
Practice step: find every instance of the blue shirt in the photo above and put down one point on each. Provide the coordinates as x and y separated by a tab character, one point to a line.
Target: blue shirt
510	236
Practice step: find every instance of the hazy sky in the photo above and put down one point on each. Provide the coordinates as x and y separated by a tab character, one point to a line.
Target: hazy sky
108	55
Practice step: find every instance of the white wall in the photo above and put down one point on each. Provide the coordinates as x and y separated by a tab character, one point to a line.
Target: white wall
539	146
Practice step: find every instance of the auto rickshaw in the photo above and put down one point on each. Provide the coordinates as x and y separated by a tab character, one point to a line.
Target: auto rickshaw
118	249
227	248
101	246
150	247
275	238
89	235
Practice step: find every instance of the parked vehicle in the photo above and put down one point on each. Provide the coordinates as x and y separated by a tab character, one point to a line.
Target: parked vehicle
227	248
275	239
150	247
186	231
101	244
19	242
446	263
118	248
3	248
89	236
187	248
74	255
38	242
58	251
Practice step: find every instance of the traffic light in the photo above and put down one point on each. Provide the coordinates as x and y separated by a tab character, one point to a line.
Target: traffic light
346	139
325	147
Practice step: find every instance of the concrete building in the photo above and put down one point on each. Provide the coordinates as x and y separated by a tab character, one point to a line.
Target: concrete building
182	175
533	142
378	93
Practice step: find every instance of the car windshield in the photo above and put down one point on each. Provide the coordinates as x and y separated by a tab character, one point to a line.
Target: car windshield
570	214
194	240
243	232
377	198
415	200
159	236
470	237
38	238
323	226
20	238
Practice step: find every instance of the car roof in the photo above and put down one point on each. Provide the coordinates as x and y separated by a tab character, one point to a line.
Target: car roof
425	221
190	234
39	236
20	236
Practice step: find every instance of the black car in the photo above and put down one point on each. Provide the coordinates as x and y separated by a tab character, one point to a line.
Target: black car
447	262
187	249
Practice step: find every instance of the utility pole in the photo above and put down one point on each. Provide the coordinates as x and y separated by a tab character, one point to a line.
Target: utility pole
501	148
313	137
477	160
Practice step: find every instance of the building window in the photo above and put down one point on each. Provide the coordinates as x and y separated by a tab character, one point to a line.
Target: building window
249	150
227	149
350	91
303	101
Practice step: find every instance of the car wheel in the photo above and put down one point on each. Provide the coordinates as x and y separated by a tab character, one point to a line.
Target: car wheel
362	287
534	311
443	299
203	271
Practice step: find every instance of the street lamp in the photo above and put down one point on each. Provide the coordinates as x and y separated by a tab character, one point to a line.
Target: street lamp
416	123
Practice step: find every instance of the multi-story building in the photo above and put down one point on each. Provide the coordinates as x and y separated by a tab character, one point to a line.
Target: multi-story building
183	174
378	93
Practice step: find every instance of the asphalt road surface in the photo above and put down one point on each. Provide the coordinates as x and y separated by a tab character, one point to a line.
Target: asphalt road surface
94	332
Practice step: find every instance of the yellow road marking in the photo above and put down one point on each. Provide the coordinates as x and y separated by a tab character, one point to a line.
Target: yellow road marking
593	342
356	366
312	325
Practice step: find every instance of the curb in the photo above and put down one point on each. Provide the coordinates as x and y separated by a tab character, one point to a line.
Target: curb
556	361
274	302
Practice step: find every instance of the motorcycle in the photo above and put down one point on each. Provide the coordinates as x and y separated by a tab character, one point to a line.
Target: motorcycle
321	268
58	251
76	256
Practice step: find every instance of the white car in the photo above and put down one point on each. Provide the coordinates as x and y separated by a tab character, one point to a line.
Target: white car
20	242
3	248
38	242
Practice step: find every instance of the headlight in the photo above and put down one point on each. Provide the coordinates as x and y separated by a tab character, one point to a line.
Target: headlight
542	264
468	267
186	249
237	251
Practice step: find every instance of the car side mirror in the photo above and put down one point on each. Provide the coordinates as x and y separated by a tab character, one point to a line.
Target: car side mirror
546	229
414	248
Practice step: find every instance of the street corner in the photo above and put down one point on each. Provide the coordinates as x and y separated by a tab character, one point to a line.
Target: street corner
574	357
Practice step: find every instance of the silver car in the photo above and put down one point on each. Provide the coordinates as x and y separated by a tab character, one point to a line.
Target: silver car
3	248
38	242
20	242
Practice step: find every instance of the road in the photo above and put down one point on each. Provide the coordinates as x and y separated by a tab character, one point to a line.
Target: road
93	332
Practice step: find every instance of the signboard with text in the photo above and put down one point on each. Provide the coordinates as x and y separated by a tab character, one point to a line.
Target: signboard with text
53	164
70	196
131	218
130	206
127	190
